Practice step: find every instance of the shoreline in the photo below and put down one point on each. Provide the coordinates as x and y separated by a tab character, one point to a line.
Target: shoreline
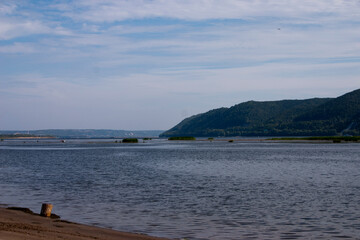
25	138
18	225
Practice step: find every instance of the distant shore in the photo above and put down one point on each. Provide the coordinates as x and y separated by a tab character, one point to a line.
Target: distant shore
23	136
27	138
18	225
321	139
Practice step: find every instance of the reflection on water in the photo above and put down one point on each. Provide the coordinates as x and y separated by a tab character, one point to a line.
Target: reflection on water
197	190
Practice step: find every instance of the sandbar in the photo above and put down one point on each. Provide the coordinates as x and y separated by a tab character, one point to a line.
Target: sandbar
18	225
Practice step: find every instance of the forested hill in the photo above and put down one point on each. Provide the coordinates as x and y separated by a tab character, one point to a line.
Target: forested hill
310	117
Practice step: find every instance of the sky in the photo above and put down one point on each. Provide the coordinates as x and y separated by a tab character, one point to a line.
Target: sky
148	64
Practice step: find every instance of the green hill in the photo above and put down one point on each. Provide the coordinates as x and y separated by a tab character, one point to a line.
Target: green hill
310	117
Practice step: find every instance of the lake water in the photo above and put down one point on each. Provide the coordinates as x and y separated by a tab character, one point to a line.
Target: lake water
192	190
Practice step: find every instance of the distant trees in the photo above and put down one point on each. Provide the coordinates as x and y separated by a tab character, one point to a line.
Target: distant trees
182	138
130	140
310	117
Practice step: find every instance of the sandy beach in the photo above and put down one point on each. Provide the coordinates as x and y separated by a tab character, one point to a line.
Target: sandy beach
18	225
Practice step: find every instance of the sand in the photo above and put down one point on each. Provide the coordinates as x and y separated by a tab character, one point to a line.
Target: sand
18	225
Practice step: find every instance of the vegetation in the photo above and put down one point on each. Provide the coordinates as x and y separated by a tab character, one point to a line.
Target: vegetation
328	138
210	138
147	139
4	136
130	140
310	117
182	138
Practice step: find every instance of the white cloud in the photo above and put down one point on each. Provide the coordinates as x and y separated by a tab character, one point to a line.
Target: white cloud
273	76
17	21
12	29
114	10
7	8
17	48
123	29
290	76
166	93
86	66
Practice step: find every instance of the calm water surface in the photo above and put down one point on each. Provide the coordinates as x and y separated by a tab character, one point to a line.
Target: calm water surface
197	190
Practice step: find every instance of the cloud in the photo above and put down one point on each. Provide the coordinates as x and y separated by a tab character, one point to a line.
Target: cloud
165	92
114	10
288	76
12	29
123	29
18	21
7	8
83	59
17	48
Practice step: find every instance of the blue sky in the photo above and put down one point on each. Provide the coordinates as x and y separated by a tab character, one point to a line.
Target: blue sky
148	64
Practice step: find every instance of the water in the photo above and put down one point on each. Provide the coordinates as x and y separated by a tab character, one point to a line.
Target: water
193	190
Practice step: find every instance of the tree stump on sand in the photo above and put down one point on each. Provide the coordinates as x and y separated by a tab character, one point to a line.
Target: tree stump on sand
46	210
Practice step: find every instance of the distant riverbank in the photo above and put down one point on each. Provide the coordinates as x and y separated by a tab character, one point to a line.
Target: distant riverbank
35	137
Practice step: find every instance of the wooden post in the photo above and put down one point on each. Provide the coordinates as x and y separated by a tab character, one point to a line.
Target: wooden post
46	209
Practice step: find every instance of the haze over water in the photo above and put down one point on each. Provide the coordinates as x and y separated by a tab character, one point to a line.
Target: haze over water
193	190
